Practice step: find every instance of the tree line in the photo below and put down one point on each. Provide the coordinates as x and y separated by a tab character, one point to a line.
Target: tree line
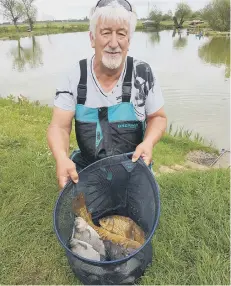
216	13
19	10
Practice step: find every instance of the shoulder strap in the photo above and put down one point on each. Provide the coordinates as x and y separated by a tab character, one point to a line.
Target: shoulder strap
82	86
127	84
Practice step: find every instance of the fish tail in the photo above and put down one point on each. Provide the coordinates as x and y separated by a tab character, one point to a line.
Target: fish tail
80	209
79	201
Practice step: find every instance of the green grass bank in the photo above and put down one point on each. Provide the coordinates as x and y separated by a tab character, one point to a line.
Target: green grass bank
191	242
9	31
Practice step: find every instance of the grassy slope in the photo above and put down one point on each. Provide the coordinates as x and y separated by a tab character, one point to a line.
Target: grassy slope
191	242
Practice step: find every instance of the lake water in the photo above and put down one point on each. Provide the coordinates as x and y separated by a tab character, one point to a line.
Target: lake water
194	74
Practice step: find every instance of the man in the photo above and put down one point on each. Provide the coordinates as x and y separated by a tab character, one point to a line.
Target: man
116	100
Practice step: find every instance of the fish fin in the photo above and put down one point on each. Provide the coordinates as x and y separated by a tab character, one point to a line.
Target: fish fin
73	232
84	244
88	230
78	203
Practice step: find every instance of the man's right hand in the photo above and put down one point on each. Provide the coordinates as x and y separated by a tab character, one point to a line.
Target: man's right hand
66	170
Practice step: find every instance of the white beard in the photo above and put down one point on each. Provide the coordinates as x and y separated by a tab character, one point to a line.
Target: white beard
112	62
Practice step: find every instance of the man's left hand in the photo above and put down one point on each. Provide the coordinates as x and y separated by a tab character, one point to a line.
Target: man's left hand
143	150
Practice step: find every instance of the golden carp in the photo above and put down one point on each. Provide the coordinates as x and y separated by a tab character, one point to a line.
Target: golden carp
80	209
123	226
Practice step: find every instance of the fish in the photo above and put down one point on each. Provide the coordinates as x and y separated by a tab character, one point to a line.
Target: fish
84	232
123	226
84	249
80	209
115	251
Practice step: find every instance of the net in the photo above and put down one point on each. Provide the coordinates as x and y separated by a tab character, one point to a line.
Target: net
111	186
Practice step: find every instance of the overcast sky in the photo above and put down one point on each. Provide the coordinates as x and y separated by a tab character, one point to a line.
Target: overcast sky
78	9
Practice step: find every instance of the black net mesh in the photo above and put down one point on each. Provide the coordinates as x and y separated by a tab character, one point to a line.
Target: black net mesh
113	185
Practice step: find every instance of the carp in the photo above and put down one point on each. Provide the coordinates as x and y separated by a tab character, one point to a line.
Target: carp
80	209
123	226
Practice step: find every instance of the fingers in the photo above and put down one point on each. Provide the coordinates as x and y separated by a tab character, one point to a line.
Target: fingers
66	170
137	154
73	174
62	181
147	159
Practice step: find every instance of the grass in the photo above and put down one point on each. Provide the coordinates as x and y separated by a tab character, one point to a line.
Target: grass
192	240
9	31
175	145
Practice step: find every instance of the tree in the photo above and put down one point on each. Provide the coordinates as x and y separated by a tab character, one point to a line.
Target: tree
12	11
156	16
196	15
182	11
30	12
217	13
168	16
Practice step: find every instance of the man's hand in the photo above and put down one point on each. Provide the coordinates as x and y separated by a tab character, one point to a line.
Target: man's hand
66	170
156	125
143	150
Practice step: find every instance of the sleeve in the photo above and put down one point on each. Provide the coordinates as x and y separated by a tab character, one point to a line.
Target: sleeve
155	98
66	91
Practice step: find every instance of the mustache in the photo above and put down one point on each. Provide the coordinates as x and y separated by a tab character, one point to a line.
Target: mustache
109	50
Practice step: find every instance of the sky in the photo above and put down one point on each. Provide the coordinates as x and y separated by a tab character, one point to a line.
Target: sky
78	9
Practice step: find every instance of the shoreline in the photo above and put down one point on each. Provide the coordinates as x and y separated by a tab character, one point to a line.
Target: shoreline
9	32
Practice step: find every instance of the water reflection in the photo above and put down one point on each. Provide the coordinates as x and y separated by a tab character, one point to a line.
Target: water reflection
154	37
31	55
173	33
217	52
180	41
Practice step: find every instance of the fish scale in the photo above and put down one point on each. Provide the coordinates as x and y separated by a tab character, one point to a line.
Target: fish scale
123	226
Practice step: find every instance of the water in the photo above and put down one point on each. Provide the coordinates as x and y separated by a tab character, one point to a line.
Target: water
193	72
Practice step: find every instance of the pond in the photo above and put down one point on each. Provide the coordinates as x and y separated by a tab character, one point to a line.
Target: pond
194	73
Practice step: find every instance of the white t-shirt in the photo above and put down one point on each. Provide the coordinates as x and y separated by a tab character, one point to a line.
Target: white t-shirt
146	95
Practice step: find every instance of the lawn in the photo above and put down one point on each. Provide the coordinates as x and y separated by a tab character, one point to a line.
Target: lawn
191	242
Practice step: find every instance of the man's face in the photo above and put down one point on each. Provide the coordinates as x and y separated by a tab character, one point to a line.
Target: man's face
111	42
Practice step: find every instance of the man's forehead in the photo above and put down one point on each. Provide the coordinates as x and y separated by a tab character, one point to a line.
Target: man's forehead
112	24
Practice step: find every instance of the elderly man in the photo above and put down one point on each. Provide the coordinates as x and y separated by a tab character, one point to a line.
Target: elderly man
115	100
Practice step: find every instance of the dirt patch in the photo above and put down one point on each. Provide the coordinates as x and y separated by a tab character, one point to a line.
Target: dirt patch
201	157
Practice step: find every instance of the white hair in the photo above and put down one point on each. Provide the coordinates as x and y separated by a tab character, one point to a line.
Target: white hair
113	11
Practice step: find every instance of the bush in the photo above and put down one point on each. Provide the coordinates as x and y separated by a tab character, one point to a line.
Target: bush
217	13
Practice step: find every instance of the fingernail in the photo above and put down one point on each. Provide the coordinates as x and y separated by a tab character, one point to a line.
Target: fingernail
133	160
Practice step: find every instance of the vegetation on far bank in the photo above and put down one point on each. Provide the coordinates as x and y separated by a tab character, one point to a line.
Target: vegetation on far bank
213	19
9	31
191	243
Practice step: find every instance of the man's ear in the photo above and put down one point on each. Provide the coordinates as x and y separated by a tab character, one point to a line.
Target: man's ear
92	39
